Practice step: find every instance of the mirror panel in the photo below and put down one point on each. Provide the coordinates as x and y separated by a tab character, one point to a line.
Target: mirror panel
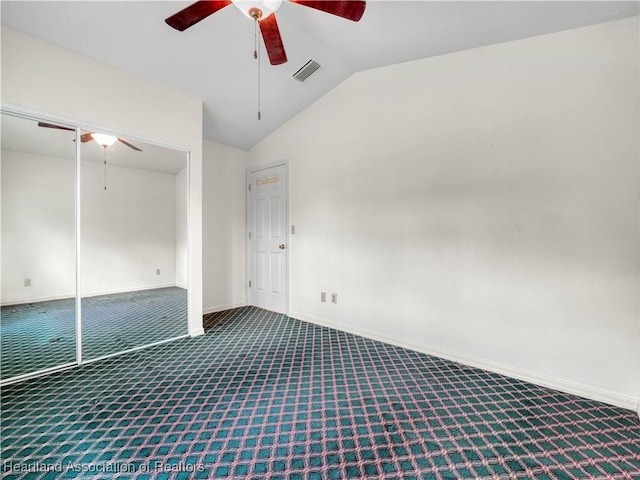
133	242
38	289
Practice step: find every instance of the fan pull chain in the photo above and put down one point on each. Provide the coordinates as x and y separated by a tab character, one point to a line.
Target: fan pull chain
256	55
105	167
255	39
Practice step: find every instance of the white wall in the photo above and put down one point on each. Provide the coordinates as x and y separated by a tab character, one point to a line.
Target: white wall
224	227
38	227
481	205
46	79
128	230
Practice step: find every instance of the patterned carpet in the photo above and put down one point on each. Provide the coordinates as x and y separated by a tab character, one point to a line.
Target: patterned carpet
262	395
43	334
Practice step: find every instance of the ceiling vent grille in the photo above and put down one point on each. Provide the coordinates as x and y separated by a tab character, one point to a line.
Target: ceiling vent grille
306	70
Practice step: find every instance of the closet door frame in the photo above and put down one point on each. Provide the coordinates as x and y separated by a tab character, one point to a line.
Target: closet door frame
79	127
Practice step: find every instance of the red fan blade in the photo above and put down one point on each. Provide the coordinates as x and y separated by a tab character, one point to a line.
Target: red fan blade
194	13
86	137
349	9
59	127
272	40
129	145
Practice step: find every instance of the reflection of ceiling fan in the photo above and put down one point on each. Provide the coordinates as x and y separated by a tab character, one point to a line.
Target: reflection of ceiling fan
87	137
262	11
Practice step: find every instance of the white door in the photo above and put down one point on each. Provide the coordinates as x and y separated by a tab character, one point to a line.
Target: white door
268	239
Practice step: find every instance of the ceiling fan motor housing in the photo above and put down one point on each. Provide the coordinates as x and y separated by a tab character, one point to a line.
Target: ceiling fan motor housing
257	9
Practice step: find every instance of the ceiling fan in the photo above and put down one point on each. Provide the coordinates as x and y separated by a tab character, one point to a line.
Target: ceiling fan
263	12
89	136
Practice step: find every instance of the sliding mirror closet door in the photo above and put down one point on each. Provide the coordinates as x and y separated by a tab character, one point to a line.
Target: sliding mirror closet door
133	238
38	172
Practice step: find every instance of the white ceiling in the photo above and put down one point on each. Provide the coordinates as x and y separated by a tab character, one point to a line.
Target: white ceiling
214	59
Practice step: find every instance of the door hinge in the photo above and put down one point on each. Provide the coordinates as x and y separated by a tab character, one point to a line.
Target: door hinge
249	187
249	283
249	235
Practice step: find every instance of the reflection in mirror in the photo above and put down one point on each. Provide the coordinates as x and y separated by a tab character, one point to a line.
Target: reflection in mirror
133	238
38	171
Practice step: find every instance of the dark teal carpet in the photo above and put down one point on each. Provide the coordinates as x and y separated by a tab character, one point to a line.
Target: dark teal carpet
38	335
263	396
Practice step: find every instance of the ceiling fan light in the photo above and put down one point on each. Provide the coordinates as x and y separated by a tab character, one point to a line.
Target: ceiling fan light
104	139
267	7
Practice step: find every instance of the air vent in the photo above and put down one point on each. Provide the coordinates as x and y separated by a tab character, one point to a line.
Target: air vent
306	70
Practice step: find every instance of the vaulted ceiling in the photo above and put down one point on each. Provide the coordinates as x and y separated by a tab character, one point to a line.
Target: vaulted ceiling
214	59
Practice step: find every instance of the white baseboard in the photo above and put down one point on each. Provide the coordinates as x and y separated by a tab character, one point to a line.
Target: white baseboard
49	298
567	386
196	332
87	295
221	308
126	290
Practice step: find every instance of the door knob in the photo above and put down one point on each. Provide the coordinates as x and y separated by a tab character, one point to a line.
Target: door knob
282	246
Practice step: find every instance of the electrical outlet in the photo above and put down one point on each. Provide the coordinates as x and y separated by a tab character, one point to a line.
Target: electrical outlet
157	271
334	298
27	282
323	296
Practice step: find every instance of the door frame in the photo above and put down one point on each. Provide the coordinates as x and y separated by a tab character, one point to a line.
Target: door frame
287	282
